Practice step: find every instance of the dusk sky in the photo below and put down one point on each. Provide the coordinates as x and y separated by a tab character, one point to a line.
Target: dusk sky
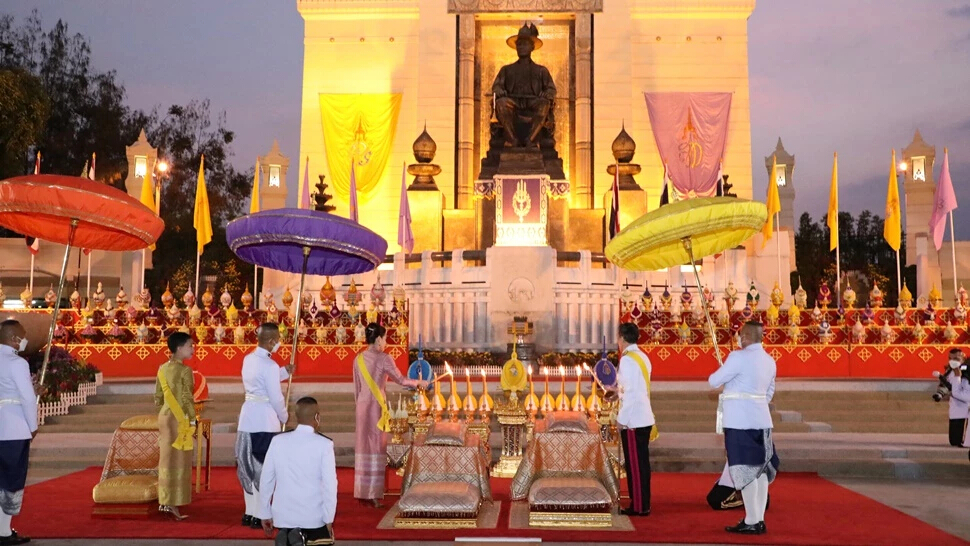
853	76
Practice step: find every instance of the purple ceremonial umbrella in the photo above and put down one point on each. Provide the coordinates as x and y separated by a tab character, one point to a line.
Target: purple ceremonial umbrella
305	242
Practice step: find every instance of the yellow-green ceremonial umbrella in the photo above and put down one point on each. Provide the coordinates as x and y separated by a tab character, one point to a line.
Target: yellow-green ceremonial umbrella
681	232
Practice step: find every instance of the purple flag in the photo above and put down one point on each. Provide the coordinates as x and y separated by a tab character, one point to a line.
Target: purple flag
944	202
405	237
353	194
691	132
305	196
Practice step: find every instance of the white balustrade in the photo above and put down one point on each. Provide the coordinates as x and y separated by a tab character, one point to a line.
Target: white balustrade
450	308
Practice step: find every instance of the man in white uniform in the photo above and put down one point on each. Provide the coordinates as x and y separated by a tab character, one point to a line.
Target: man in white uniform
635	418
959	398
748	377
262	415
18	425
299	482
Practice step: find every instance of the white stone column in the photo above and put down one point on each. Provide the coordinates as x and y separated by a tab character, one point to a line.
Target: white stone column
583	41
466	109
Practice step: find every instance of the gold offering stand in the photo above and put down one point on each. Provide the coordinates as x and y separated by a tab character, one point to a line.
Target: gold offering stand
512	417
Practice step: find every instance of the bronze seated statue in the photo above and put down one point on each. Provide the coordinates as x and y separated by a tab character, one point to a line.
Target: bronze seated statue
521	140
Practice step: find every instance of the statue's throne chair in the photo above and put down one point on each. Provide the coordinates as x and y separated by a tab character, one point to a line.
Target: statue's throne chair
129	479
545	160
566	474
445	481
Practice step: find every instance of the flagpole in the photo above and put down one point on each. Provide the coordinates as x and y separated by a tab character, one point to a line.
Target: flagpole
778	245
899	276
89	276
255	279
198	257
31	272
142	278
838	275
953	250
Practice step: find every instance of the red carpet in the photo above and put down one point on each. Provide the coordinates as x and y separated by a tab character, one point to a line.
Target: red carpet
805	509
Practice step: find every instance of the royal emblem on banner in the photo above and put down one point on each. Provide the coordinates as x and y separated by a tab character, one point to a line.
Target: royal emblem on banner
691	150
690	130
521	201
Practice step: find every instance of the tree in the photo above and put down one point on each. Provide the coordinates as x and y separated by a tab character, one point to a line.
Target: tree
182	135
87	112
863	252
25	108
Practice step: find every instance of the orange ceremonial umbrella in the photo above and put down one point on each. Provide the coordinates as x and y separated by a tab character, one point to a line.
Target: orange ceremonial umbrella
75	211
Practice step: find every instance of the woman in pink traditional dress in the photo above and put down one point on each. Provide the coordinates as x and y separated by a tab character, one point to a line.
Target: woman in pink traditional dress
372	369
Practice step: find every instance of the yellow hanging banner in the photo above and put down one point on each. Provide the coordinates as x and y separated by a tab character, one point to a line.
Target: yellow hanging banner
358	128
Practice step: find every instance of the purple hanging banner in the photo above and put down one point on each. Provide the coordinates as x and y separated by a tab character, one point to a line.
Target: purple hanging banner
690	130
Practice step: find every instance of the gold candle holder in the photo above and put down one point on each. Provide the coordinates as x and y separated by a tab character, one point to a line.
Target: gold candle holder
577	403
485	403
562	401
548	403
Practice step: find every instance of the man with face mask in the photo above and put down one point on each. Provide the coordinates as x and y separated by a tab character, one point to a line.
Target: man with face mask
18	425
262	416
959	398
300	476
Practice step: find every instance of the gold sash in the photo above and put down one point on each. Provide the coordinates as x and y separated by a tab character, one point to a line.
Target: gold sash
183	442
384	425
654	432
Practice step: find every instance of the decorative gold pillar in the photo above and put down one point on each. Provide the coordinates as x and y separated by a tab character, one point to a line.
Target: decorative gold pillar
582	171
465	168
424	198
633	200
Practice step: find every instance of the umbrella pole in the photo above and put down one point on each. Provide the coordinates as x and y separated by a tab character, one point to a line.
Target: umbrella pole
57	304
688	246
296	324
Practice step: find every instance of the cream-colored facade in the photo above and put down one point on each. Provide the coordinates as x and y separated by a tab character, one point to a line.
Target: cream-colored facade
426	51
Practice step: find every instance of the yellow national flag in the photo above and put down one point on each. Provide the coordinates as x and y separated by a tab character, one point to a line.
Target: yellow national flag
254	201
773	202
892	229
203	221
148	194
833	218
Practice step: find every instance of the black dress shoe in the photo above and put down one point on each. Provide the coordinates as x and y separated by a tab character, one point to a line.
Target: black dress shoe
763	527
247	520
256	523
630	512
745	529
14	538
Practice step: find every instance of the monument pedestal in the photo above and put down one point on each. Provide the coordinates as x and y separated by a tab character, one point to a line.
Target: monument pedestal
522	284
633	204
427	205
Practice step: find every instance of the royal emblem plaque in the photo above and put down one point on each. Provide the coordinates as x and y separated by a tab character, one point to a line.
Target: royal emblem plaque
521	210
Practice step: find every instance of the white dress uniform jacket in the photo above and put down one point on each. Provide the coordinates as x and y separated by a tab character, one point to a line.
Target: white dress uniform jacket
635	409
18	402
264	409
300	475
959	397
747	372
